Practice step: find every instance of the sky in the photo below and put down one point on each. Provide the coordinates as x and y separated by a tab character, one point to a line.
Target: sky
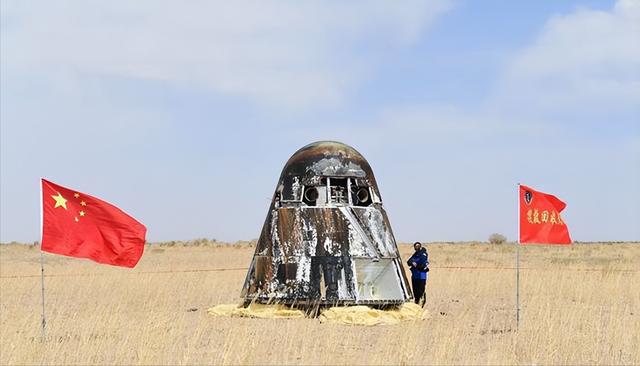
183	113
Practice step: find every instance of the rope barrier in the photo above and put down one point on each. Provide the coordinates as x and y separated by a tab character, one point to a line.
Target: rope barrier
245	269
564	269
138	273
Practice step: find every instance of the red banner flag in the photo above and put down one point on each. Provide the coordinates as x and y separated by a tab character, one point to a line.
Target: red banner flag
78	225
540	220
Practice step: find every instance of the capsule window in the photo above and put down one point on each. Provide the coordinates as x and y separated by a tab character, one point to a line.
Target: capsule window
310	196
362	196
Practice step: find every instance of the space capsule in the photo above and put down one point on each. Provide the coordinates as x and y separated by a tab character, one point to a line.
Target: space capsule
326	239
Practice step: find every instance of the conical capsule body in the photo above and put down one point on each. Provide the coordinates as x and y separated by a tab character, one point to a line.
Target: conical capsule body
326	238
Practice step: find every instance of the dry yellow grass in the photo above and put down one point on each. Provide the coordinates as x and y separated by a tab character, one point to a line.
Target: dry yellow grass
580	305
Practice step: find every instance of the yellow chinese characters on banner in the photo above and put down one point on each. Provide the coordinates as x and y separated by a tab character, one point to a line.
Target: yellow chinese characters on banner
534	216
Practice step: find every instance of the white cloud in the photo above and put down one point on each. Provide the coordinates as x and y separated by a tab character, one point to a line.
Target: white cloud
293	54
588	59
583	68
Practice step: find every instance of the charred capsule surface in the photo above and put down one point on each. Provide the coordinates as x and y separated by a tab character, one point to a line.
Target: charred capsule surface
326	238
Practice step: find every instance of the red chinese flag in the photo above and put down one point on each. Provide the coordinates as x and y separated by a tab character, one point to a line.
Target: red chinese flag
78	225
540	220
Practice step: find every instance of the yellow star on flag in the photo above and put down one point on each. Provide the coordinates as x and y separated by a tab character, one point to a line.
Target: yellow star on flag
60	201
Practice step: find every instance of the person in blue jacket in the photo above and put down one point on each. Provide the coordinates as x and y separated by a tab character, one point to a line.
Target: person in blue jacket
419	265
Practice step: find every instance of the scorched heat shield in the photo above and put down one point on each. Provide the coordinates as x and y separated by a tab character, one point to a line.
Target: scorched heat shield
326	239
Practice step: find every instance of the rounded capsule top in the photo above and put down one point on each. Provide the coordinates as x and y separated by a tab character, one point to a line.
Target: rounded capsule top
334	159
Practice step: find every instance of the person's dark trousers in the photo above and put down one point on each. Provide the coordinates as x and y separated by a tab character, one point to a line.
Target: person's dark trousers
418	289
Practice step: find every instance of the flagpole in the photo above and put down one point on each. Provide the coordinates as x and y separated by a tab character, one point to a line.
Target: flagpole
518	266
42	271
43	322
518	285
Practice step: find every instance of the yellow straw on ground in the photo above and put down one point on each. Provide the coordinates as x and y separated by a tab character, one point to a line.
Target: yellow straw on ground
359	315
363	315
256	310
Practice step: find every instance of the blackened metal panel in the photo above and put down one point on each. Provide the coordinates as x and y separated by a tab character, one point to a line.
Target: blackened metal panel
332	279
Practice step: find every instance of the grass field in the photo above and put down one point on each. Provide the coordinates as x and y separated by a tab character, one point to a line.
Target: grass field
580	305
